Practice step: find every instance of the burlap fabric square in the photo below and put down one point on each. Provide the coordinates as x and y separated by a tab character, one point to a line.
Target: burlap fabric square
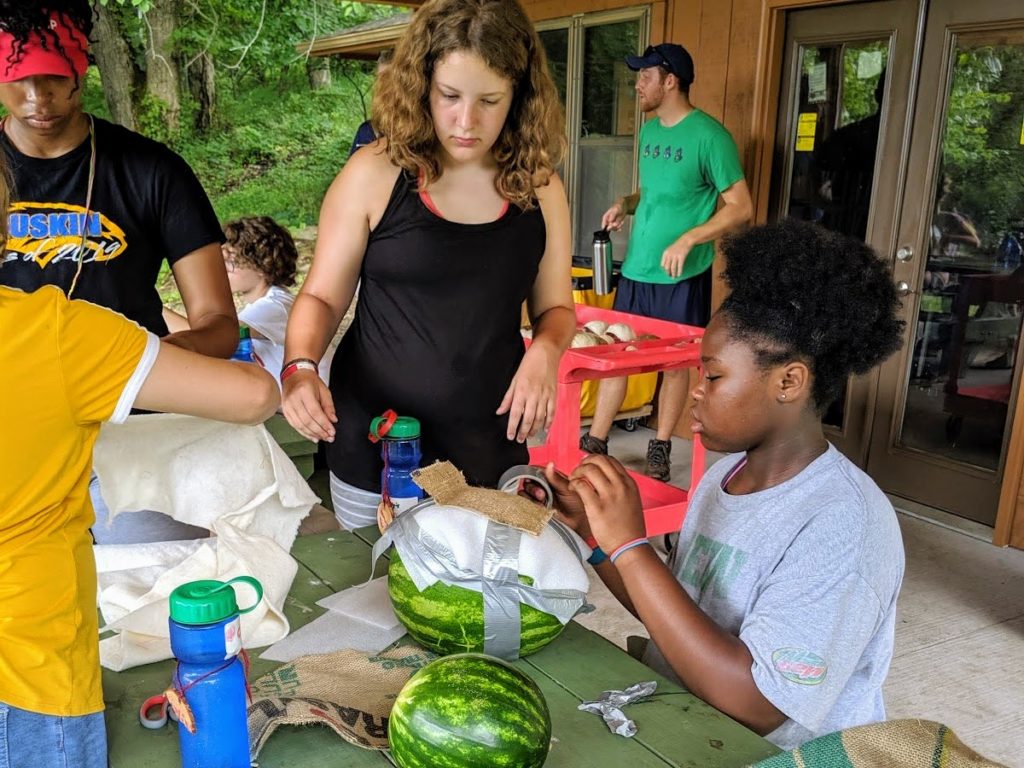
350	692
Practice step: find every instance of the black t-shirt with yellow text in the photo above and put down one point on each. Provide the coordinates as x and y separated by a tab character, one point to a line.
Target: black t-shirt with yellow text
147	207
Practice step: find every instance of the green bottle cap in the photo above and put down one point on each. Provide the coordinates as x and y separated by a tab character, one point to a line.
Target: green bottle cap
209	601
243	332
404	428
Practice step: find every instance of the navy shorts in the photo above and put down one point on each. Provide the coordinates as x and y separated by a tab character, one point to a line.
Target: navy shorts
687	302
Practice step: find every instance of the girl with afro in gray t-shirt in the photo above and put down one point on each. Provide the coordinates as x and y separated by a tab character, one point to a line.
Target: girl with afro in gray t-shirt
778	604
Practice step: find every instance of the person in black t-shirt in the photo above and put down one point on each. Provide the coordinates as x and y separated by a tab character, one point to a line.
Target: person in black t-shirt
97	208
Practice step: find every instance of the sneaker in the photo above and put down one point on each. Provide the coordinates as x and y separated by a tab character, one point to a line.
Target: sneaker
592	444
659	461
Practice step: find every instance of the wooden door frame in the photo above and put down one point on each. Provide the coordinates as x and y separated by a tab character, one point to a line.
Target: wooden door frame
1009	524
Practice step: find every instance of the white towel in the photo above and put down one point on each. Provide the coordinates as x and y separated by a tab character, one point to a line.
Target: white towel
233	480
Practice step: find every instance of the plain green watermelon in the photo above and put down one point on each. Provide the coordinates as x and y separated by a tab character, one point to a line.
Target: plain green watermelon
469	711
450	619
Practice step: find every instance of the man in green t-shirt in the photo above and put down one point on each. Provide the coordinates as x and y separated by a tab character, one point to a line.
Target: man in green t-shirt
688	162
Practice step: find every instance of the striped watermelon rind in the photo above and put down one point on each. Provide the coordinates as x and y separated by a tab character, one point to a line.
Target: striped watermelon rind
450	619
469	711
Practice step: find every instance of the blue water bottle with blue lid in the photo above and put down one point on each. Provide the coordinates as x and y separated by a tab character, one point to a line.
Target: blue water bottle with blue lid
399	437
208	692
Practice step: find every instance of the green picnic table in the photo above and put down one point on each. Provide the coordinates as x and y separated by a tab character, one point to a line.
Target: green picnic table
675	728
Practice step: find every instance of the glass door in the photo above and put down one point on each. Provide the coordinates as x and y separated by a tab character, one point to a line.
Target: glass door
607	129
839	139
587	59
946	403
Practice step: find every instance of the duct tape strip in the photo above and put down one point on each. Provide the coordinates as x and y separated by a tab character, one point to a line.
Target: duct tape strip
429	561
500	571
514	478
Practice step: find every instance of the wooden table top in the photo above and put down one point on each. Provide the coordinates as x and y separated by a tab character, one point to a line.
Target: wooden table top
675	728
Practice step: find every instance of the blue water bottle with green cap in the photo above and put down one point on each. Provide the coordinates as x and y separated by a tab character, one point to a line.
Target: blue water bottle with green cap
243	351
208	692
400	448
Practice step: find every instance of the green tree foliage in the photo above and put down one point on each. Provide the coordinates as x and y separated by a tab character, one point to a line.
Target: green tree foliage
275	144
983	158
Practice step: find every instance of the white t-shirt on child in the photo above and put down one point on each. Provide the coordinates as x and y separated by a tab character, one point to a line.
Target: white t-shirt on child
268	316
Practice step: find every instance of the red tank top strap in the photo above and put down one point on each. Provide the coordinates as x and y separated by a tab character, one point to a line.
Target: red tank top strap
429	202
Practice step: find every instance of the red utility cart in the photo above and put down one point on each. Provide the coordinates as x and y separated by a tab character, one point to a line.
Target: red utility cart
677	346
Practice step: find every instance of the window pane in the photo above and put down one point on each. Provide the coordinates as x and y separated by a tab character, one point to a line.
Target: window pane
556	46
972	292
838	115
607	129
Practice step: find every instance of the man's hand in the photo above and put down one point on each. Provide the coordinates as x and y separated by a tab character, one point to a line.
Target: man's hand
614	217
674	257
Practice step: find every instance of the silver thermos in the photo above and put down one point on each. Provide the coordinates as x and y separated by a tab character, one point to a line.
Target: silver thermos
602	263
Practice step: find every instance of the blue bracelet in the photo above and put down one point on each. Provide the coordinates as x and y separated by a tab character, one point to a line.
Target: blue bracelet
626	547
597	556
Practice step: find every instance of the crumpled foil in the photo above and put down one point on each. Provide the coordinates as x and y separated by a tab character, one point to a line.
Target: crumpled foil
609	706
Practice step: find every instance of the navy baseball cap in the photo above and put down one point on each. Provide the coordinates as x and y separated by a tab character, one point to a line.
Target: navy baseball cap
672	57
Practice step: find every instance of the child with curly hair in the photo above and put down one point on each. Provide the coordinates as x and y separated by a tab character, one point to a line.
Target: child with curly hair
449	224
260	257
778	605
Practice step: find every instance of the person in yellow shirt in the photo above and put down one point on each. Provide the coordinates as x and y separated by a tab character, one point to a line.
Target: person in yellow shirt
66	367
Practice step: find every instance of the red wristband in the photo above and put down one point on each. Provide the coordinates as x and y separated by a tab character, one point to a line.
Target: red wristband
302	364
591	542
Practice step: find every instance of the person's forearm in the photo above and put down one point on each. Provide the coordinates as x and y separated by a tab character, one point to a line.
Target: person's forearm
554	329
311	325
712	663
213	335
727	219
610	576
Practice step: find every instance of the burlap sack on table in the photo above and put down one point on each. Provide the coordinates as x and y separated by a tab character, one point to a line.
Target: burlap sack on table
448	487
348	691
893	744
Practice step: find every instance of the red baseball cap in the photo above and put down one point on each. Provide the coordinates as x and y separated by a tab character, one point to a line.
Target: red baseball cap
37	56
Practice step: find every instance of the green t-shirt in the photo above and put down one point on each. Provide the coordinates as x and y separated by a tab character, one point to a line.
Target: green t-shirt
682	171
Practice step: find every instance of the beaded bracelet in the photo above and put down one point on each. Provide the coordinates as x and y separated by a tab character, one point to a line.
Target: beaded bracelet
617	552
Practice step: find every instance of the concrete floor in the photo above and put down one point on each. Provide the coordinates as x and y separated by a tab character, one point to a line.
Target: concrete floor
959	655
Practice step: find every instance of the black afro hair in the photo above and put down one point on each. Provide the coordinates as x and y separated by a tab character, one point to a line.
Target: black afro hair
24	18
802	292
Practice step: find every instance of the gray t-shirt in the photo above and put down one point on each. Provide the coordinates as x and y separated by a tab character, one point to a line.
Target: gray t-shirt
806	574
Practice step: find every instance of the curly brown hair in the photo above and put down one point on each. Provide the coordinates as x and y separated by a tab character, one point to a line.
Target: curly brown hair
266	246
532	142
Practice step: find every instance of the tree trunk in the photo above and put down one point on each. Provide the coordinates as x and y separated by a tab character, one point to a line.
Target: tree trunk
204	88
161	68
116	69
319	70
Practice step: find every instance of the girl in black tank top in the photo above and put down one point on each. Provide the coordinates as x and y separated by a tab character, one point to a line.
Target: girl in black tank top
436	329
436	336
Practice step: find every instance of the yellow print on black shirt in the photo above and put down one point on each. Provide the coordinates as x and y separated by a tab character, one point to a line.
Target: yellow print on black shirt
52	232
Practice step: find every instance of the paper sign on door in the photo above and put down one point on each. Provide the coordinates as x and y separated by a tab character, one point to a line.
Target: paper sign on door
807	127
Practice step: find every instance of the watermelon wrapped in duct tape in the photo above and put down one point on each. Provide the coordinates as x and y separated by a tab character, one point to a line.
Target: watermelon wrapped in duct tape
469	711
461	582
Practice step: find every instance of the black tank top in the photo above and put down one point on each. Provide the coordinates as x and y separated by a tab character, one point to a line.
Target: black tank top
435	336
